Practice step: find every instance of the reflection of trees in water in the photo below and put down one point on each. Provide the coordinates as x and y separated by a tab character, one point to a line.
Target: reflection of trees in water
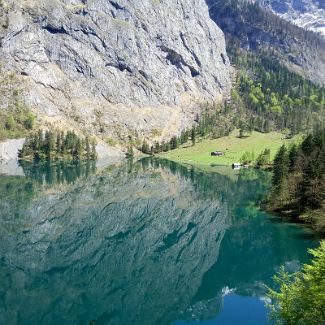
58	173
15	193
250	185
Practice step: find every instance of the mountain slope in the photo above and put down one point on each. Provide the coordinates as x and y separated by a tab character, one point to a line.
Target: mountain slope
258	30
116	68
308	14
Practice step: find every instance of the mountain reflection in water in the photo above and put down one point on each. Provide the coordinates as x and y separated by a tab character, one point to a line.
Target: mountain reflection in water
150	242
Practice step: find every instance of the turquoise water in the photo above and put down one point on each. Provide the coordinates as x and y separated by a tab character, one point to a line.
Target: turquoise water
151	242
236	310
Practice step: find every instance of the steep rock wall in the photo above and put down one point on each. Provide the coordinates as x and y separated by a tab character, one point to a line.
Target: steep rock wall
116	67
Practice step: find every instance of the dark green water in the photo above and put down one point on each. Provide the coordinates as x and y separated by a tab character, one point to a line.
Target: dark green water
147	243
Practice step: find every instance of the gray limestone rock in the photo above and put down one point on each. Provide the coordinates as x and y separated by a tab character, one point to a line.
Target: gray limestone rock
9	149
115	68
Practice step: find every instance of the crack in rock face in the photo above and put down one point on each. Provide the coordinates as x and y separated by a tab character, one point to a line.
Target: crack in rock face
130	60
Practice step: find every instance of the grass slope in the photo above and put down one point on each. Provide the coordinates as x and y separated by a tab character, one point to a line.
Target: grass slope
233	146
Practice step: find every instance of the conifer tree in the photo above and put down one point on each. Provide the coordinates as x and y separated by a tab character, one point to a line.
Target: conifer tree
145	147
280	171
193	136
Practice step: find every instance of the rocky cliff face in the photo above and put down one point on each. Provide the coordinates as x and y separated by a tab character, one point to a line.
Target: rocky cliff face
9	149
119	67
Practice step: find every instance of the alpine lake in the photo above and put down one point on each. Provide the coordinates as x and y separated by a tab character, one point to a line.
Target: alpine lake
149	242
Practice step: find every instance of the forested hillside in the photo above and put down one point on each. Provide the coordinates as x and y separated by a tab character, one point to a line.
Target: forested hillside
260	31
274	97
298	183
280	69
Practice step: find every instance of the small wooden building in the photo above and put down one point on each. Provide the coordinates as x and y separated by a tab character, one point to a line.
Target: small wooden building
217	153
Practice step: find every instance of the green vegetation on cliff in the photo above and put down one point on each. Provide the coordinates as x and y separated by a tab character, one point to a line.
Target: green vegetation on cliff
16	119
16	122
274	61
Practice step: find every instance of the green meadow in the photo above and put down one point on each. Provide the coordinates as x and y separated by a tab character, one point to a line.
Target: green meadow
233	147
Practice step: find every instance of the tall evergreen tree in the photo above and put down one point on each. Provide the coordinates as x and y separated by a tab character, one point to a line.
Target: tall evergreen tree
193	135
280	173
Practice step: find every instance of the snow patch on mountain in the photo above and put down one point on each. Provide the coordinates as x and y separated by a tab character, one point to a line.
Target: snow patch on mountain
308	14
314	21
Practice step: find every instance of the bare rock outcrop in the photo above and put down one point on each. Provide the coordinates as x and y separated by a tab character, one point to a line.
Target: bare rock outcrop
116	68
9	149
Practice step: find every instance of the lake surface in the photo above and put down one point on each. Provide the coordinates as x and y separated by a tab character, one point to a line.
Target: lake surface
150	242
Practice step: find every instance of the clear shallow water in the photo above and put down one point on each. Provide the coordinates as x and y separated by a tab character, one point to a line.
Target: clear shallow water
152	242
